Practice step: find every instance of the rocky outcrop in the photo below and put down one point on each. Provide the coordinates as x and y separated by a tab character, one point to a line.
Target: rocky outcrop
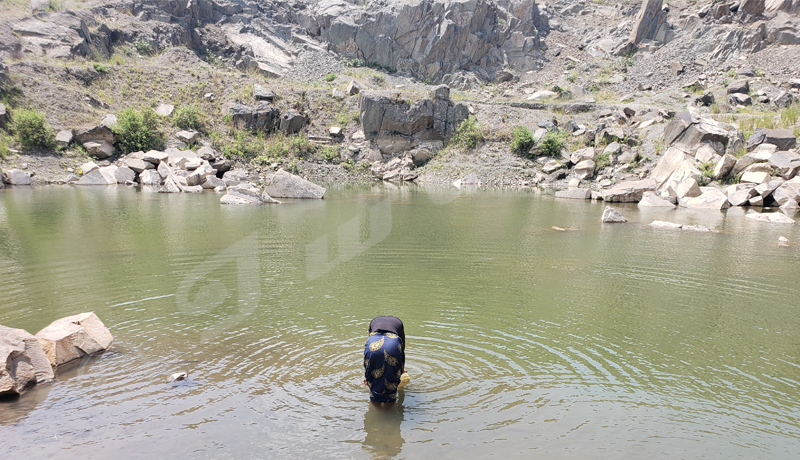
73	337
397	169
457	43
262	117
628	191
246	194
689	131
283	184
396	125
23	362
649	23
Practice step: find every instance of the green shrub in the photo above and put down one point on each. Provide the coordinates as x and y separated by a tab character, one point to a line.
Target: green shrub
330	77
348	164
789	116
602	160
330	153
187	117
707	171
99	67
143	48
468	134
521	140
551	145
343	118
5	144
138	130
32	130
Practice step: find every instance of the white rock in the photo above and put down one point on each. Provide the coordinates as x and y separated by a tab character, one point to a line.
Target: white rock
150	177
663	224
771	217
18	177
88	167
23	362
652	200
611	215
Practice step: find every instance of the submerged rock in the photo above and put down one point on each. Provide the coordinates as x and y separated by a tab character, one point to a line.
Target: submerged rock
771	217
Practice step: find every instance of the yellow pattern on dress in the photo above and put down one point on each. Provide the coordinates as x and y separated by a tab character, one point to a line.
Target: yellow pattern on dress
391	386
378	372
366	363
375	346
399	373
391	335
390	359
400	347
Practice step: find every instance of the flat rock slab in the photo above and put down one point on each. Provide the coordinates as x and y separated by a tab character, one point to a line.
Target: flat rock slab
575	194
283	184
652	200
667	225
73	337
770	217
611	215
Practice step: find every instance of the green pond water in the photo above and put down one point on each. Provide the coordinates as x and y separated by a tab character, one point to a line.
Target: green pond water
601	341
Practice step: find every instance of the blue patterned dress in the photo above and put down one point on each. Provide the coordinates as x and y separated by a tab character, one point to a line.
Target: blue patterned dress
384	360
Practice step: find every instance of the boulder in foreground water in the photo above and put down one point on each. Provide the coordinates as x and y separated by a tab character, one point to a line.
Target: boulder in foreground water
283	184
611	215
73	337
23	362
245	194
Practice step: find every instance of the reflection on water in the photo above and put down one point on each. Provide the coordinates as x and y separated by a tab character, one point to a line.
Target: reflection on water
382	425
597	342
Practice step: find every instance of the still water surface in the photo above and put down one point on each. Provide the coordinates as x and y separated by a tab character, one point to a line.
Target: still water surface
602	341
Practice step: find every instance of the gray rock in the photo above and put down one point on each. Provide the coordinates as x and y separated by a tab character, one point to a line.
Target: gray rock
124	174
100	149
18	177
688	188
353	88
738	87
188	137
155	157
755	177
629	191
100	176
163	170
652	200
784	100
667	165
783	138
109	120
611	215
170	185
785	194
757	201
740	99
648	22
64	137
752	7
584	169
23	362
138	165
292	122
471	179
165	110
783	240
710	199
234	177
741	197
4	117
699	228
212	182
689	131
150	177
786	163
262	117
245	195
96	134
724	166
88	167
263	94
587	153
575	194
441	93
222	165
283	184
206	153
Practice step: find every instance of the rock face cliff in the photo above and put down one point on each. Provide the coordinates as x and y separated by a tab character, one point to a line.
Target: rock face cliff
453	42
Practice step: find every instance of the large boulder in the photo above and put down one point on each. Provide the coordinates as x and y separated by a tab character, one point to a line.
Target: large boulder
648	22
786	164
100	149
629	191
652	200
672	159
246	194
724	166
98	133
150	177
575	194
771	217
752	7
611	215
262	117
782	138
584	169
283	184
292	122
23	362
73	337
100	176
689	131
710	199
18	177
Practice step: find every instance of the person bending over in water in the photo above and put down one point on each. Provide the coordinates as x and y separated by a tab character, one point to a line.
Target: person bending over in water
384	359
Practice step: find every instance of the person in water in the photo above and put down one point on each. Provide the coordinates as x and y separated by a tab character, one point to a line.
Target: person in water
384	359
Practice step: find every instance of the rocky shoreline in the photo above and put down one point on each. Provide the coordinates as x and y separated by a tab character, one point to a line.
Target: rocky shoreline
650	110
